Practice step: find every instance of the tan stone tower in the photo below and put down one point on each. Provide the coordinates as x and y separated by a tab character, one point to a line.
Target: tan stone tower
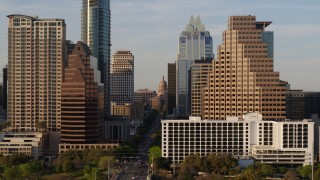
35	68
122	78
243	79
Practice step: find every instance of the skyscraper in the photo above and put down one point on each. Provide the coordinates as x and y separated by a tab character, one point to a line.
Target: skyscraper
79	97
95	32
5	85
243	79
171	87
301	104
194	43
36	57
122	78
199	79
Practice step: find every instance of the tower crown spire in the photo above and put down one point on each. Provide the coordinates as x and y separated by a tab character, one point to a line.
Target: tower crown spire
195	24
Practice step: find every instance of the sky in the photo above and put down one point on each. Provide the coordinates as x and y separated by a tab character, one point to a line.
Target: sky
150	30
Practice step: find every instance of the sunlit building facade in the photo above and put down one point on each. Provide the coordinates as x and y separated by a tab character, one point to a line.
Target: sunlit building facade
272	142
122	78
36	56
199	79
243	77
194	43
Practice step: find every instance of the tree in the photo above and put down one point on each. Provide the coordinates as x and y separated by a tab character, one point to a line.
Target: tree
163	163
317	173
290	175
105	162
96	173
193	161
154	153
25	169
58	168
305	171
18	158
266	170
282	170
68	166
184	173
219	163
251	173
12	172
94	155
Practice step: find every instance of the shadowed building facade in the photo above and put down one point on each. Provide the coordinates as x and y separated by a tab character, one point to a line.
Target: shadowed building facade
79	98
243	77
301	104
36	55
171	87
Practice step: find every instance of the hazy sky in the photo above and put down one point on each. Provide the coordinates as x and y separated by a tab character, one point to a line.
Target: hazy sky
150	30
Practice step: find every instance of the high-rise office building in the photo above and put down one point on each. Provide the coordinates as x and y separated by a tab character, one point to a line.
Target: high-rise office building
5	86
301	104
79	97
95	32
122	78
200	70
243	79
171	87
194	43
36	56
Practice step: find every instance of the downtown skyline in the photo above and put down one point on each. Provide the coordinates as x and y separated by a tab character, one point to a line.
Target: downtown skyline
150	30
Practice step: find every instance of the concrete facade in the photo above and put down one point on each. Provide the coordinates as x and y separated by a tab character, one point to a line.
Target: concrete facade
285	142
122	78
34	144
243	78
199	79
36	56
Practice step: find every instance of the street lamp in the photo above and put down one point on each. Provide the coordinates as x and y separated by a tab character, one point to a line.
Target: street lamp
95	174
151	160
311	158
108	169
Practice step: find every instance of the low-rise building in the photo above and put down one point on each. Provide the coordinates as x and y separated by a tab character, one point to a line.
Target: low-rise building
133	112
106	146
277	142
31	143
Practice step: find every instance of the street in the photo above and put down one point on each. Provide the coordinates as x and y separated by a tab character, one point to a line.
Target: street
138	167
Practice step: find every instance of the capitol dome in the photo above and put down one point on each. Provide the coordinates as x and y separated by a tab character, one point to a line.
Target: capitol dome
163	87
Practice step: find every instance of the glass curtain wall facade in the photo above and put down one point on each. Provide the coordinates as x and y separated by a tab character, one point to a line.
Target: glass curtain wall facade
95	32
79	94
194	43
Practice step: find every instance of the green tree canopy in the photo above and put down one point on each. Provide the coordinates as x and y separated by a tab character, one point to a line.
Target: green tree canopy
105	162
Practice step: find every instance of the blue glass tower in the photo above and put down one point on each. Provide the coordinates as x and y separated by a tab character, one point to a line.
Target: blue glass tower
96	33
195	43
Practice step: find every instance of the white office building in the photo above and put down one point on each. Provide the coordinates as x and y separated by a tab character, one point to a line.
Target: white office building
285	142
